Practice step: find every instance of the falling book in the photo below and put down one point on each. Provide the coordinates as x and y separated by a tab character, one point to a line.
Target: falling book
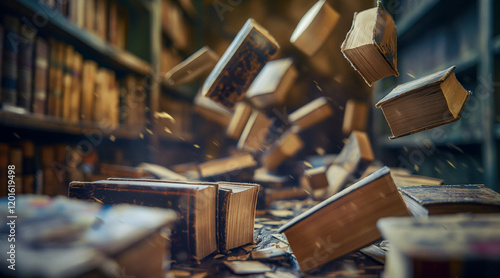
314	28
226	165
463	245
426	200
240	64
193	235
344	222
311	113
193	67
255	133
286	146
242	112
355	116
371	44
425	103
272	84
211	110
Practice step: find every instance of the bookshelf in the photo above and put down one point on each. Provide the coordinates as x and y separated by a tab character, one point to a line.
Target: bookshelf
429	42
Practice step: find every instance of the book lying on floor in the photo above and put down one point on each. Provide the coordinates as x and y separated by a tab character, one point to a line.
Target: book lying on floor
463	245
311	113
425	103
352	160
344	222
426	200
314	28
193	67
272	84
236	214
371	44
61	237
240	64
193	235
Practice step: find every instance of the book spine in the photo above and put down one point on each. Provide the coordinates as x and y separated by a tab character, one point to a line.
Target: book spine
29	167
89	15
113	21
25	71
67	81
40	77
88	86
9	62
76	90
101	18
59	80
222	209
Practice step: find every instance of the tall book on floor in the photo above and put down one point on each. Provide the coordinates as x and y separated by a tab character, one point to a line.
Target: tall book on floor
424	200
425	103
371	44
344	222
194	235
240	64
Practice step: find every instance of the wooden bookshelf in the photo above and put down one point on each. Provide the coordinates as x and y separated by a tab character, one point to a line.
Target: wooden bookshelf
419	21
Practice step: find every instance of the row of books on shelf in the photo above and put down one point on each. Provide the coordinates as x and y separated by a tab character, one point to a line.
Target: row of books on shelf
106	19
48	77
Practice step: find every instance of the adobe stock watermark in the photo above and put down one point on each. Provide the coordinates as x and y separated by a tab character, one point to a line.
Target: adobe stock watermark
223	6
426	147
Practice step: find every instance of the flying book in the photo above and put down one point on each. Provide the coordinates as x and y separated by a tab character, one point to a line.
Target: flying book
193	236
193	67
411	180
286	146
463	245
355	116
212	111
371	44
240	64
314	28
311	113
226	165
427	200
272	84
70	238
255	133
425	103
344	222
353	160
241	114
314	179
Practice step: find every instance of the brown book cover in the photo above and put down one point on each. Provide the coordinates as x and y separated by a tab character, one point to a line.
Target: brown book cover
40	76
67	81
311	113
54	101
25	68
315	239
112	22
122	28
314	28
371	44
240	64
425	103
29	167
76	88
355	116
90	15
101	18
427	200
49	178
190	239
89	72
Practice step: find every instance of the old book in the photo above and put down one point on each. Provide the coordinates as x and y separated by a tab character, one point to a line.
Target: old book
29	167
195	66
240	64
112	100
76	88
226	165
77	12
272	84
315	239
70	238
371	44
57	90
285	147
41	61
211	110
101	19
25	68
89	71
241	114
425	103
49	178
355	116
463	245
9	61
314	181
254	135
122	27
314	28
409	180
193	236
112	22
427	200
90	15
236	214
311	113
353	160
67	87
102	80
